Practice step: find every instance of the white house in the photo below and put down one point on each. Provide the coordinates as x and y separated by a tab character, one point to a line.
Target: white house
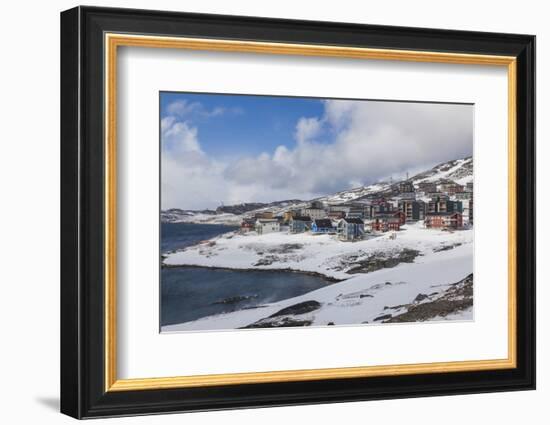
350	229
466	211
266	225
314	213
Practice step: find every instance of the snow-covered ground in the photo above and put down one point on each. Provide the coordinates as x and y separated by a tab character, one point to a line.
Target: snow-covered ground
381	276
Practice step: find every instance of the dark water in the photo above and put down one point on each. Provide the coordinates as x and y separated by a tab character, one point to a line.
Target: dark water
189	293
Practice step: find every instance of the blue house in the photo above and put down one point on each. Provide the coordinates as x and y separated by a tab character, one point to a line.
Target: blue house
323	225
299	224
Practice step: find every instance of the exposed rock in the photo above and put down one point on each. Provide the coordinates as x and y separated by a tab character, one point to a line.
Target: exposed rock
300	308
285	248
235	300
395	307
267	260
447	247
383	317
286	317
458	297
420	297
383	260
271	254
285	322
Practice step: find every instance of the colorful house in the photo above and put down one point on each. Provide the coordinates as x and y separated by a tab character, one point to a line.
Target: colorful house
401	216
451	188
299	224
314	213
378	207
323	225
444	205
357	211
413	210
350	229
444	220
427	187
264	215
265	225
287	215
385	222
248	224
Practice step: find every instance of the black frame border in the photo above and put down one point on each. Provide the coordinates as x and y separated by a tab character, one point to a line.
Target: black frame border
82	204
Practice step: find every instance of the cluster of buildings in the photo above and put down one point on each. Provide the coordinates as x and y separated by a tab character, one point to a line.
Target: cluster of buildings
444	205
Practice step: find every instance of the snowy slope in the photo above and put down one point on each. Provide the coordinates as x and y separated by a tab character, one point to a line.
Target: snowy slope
443	258
459	170
323	254
356	193
361	298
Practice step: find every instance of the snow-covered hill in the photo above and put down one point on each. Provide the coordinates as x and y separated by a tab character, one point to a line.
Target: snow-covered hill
420	275
460	171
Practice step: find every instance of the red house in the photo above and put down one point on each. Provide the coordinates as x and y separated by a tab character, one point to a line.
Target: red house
248	225
444	220
401	216
385	222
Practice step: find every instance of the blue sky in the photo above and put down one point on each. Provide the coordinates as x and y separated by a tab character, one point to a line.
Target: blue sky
240	148
248	124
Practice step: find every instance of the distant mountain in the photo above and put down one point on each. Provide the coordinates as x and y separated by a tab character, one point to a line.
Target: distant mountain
458	170
252	206
177	214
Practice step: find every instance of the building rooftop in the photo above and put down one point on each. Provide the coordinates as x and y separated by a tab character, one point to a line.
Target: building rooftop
354	220
446	213
323	222
388	216
301	218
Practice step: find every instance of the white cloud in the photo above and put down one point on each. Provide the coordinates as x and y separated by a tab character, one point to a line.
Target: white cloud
184	109
370	141
307	129
179	137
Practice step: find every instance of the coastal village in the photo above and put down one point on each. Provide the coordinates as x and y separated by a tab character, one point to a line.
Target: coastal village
444	205
389	252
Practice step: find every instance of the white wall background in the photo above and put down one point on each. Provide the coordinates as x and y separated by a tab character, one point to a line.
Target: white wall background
29	212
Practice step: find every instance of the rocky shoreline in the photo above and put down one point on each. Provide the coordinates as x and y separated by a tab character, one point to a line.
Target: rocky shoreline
457	298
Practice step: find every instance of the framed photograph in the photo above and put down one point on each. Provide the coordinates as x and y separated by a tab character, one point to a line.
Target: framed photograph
261	212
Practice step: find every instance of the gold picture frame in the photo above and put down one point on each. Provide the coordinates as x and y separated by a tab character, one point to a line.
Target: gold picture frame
114	41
